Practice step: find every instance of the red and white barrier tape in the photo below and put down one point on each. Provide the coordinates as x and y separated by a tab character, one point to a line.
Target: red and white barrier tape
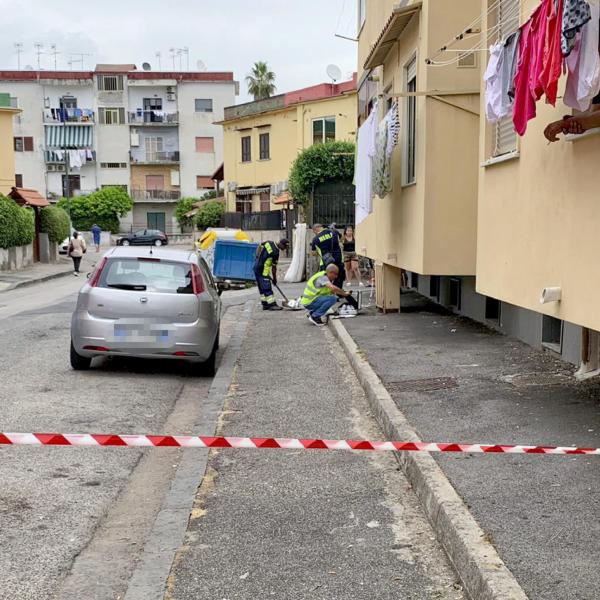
188	441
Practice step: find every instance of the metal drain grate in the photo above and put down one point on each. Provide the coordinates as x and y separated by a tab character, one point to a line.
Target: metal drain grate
422	385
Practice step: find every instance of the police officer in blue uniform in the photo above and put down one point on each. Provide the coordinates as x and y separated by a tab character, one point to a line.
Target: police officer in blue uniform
326	245
265	271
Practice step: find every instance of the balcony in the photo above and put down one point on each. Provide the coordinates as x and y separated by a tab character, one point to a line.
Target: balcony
57	157
151	118
155	158
55	116
140	195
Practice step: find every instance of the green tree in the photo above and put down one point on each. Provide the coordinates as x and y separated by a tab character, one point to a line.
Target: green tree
261	81
103	207
17	224
185	205
331	161
55	222
209	215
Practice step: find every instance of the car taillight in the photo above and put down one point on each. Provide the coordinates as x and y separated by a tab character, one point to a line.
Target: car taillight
197	282
95	278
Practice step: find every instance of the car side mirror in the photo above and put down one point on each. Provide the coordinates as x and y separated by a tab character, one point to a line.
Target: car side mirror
88	275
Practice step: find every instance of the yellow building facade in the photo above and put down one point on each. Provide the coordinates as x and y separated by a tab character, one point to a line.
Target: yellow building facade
7	150
263	138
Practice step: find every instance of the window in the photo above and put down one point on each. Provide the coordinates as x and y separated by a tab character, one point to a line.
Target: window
68	102
23	144
152	103
434	286
504	135
410	126
362	13
19	181
264	143
14	102
552	329
205	145
113	165
455	293
492	309
323	130
204	182
111	116
243	204
110	83
246	148
414	281
154	146
204	105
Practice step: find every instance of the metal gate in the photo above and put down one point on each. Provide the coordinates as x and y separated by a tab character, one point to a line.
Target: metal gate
333	202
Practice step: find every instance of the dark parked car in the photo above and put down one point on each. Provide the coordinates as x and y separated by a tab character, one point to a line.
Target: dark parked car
144	237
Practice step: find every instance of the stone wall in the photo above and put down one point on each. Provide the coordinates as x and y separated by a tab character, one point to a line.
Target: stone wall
13	259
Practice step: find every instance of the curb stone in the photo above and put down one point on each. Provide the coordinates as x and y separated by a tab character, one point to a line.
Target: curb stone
149	579
480	568
20	284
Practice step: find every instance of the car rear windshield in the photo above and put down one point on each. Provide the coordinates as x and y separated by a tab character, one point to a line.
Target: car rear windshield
151	275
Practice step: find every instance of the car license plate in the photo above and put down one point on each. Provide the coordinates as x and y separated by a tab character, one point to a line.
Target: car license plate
141	333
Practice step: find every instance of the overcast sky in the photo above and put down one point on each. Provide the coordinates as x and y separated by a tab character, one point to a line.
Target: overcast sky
295	37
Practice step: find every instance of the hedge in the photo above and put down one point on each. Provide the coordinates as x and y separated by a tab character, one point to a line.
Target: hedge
55	222
185	205
17	224
332	161
209	215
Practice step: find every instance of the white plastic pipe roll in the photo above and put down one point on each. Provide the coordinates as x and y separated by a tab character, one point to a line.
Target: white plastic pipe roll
550	294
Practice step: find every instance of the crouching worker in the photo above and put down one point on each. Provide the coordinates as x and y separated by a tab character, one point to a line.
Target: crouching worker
265	271
321	294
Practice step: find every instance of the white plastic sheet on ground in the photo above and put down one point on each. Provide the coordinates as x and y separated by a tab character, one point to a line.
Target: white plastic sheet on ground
295	271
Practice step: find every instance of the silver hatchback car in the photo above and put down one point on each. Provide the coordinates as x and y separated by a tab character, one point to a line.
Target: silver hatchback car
148	303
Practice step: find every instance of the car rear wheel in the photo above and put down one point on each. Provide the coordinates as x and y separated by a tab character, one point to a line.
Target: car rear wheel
158	242
78	362
125	243
209	367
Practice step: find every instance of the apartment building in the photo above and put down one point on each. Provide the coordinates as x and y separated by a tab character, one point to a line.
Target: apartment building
7	153
152	133
263	138
425	221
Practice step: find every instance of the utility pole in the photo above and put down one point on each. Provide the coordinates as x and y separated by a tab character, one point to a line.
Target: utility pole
19	50
38	49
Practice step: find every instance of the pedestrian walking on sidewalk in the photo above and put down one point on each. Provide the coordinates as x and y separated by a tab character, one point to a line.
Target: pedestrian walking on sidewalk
326	246
321	294
77	249
96	231
265	271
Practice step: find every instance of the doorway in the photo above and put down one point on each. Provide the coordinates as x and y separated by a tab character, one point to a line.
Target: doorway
157	220
70	183
150	105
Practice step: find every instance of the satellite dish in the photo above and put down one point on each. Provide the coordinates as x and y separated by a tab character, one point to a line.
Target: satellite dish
200	65
146	66
334	72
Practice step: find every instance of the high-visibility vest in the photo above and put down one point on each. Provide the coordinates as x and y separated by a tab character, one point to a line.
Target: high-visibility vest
268	250
311	292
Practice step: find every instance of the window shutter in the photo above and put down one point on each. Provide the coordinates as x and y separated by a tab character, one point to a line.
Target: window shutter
505	137
28	144
101	116
121	116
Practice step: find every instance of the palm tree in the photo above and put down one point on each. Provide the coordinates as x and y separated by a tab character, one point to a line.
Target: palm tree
261	81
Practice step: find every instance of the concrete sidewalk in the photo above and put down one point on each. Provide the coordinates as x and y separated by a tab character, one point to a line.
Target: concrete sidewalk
9	280
304	524
458	381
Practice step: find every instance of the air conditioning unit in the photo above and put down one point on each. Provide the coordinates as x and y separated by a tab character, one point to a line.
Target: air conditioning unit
232	186
171	95
55	168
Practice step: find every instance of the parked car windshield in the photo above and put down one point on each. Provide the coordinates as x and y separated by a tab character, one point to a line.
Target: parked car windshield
150	275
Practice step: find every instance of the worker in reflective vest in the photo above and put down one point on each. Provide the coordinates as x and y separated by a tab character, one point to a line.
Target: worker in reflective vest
265	271
321	294
326	245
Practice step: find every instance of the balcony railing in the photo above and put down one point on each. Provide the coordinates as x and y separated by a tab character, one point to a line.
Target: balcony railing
69	115
154	117
59	156
155	158
152	195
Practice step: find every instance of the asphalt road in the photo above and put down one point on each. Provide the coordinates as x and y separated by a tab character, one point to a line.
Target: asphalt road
54	502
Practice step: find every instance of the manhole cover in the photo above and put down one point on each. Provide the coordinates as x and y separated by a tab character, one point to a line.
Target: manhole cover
422	385
529	379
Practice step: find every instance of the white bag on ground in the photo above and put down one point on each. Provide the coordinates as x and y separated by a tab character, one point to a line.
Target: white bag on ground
295	272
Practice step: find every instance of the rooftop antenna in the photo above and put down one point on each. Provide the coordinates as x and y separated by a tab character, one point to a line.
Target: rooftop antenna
80	60
180	55
54	52
200	65
172	53
38	49
186	51
158	57
19	51
334	72
146	66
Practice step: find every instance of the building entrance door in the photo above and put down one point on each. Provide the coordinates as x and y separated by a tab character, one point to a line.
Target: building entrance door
157	220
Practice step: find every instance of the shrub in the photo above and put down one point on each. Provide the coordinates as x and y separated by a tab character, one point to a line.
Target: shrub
103	207
332	161
17	224
184	206
55	222
209	215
